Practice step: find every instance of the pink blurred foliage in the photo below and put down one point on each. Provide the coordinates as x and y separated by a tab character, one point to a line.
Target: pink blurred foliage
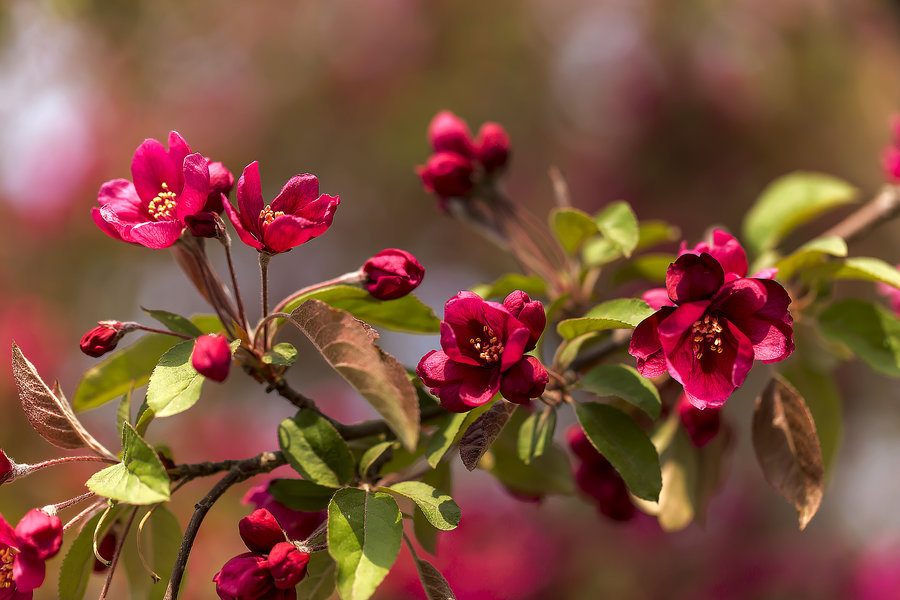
38	330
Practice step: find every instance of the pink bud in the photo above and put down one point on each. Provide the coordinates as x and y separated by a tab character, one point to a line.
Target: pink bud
260	531
447	174
244	576
205	224
212	357
287	565
221	181
103	338
449	133
700	425
529	312
890	162
525	380
7	470
492	147
392	273
39	534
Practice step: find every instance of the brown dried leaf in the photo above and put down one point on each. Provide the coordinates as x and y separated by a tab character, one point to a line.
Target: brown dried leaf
349	347
481	434
787	448
49	412
434	584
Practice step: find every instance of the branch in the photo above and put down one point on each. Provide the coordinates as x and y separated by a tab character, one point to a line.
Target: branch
239	471
883	207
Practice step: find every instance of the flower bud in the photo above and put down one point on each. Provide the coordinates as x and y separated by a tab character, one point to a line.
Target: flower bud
244	576
492	147
212	357
205	224
287	565
103	338
449	133
40	533
447	174
525	380
700	425
392	273
7	469
260	531
221	181
890	162
529	312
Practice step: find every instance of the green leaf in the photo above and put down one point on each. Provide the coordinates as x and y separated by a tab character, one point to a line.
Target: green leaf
446	434
349	347
624	382
441	478
314	448
123	413
129	367
406	314
283	354
364	533
165	539
549	473
860	267
536	434
319	581
809	255
652	267
678	497
175	384
598	251
174	322
652	233
869	330
618	224
439	508
624	445
622	313
78	564
300	494
371	455
505	285
791	201
571	227
139	479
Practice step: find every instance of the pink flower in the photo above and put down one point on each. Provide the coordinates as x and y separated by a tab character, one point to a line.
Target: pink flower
701	425
447	174
708	339
492	147
891	294
104	338
449	133
297	524
392	273
725	249
168	186
221	181
211	357
295	216
482	353
23	551
270	571
597	478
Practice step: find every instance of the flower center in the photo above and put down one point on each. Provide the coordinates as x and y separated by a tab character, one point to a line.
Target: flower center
6	567
707	334
267	215
162	208
490	350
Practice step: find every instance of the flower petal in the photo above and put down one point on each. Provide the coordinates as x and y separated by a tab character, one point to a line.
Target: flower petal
524	380
250	200
153	234
646	347
657	298
237	221
287	231
151	167
460	387
178	150
299	191
105	227
121	197
39	534
196	186
7	535
759	308
28	571
691	278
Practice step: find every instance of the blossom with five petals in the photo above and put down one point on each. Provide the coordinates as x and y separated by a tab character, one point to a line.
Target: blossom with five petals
36	538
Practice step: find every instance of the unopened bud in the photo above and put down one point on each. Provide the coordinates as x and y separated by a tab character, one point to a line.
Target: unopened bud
221	181
287	565
205	224
530	313
212	357
449	133
7	468
260	531
492	147
447	174
392	273
104	338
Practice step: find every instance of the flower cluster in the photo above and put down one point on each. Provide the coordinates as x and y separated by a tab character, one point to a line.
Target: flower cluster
458	159
36	538
713	323
483	351
271	569
597	478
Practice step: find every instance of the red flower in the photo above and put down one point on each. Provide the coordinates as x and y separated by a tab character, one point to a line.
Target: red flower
392	273
270	571
104	338
701	425
23	551
449	133
708	339
482	353
221	181
295	216
297	524
168	186
211	357
447	174
597	478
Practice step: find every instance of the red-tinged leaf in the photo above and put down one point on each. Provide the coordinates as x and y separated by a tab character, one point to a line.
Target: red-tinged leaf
787	448
50	413
481	434
349	347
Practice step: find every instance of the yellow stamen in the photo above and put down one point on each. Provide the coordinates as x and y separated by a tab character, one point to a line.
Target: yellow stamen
268	215
707	332
7	555
162	208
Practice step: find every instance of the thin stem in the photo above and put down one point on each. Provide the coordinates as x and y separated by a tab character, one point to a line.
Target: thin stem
883	207
67	459
226	242
264	258
118	553
71	501
87	511
164	331
345	279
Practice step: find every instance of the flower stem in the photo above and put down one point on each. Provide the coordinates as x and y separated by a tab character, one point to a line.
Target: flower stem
345	279
117	554
226	242
68	459
164	331
71	501
264	258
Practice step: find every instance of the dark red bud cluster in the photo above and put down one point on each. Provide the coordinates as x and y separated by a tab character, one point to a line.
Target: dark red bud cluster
597	478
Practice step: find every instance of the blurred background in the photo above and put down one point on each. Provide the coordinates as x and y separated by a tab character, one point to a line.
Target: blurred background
685	109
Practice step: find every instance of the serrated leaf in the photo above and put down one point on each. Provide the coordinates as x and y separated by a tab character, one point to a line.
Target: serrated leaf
371	455
506	284
349	347
129	367
571	227
439	508
624	382
434	584
625	445
483	431
618	224
300	494
49	414
283	354
139	479
364	532
319	581
406	314
650	267
791	201
810	254
871	331
314	448
76	568
787	448
536	434
174	322
622	313
175	384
